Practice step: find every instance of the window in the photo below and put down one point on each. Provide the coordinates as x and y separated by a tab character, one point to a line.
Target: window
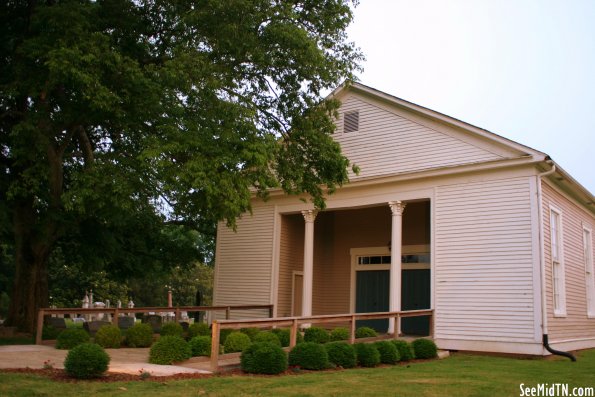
589	276
557	263
351	122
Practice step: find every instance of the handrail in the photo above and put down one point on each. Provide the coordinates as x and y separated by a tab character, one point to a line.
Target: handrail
295	322
115	312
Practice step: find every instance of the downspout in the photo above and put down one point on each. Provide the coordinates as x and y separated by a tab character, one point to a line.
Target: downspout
545	338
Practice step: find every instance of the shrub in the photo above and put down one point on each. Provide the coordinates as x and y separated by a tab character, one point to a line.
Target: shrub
316	335
223	334
108	337
169	349
139	335
197	329
172	328
251	332
267	336
405	350
236	342
341	354
49	332
309	355
367	354
365	332
388	352
71	337
263	358
86	360
424	348
200	345
339	333
284	334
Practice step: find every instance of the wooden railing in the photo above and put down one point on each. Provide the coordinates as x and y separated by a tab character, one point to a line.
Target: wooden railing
115	312
294	324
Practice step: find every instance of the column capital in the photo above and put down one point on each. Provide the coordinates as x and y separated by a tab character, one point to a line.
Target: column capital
397	207
309	215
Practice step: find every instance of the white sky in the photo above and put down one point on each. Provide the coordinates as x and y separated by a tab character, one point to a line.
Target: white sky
523	69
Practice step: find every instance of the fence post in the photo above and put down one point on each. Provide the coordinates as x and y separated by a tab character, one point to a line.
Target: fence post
352	330
177	313
397	325
215	346
227	312
40	315
293	333
271	311
115	318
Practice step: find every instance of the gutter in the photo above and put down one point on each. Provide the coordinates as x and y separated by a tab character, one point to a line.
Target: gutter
545	337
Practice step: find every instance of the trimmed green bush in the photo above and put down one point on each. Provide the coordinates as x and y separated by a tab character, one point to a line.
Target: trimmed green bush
49	332
309	355
200	346
341	354
264	358
284	334
197	329
169	349
172	328
365	332
109	337
367	354
340	333
316	335
251	332
388	352
86	360
71	337
267	336
424	348
139	335
223	334
405	350
236	342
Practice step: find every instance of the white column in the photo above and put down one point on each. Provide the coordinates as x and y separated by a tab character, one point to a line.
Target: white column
397	208
309	217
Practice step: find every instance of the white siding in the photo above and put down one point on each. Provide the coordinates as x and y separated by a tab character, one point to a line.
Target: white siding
387	143
483	255
243	262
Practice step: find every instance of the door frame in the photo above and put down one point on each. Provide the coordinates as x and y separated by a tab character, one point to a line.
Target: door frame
294	274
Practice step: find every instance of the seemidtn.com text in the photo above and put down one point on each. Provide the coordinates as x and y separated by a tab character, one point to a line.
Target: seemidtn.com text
555	390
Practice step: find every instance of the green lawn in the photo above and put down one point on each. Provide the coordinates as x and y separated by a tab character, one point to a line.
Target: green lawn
460	375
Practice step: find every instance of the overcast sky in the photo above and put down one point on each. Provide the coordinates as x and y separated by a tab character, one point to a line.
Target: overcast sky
523	69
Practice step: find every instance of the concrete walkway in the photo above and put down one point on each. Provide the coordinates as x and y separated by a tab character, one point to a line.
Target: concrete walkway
124	360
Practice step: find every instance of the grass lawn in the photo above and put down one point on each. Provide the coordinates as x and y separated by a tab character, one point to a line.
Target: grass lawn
460	375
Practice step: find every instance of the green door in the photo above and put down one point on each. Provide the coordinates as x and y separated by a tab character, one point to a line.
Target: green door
371	295
415	295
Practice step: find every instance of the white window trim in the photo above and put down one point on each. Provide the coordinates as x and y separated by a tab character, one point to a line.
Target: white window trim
560	311
589	270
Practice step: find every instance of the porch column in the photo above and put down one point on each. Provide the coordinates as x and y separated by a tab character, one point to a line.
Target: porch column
309	217
397	208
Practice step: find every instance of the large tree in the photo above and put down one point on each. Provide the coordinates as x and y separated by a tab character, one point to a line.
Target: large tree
120	117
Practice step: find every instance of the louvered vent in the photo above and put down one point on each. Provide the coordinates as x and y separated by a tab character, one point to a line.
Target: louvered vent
351	122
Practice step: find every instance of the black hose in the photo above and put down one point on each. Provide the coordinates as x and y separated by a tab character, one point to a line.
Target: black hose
554	351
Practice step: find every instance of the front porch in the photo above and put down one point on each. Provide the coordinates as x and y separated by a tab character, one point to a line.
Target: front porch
345	261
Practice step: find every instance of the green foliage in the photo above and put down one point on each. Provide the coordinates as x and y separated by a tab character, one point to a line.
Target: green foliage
263	358
284	335
309	355
139	335
49	332
267	336
424	348
86	361
339	333
109	337
169	349
200	345
251	332
71	337
172	328
199	329
236	342
367	354
223	334
341	354
316	335
405	349
388	352
365	332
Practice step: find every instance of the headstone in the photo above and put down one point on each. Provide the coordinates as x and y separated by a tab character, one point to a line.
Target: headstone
125	322
95	325
154	321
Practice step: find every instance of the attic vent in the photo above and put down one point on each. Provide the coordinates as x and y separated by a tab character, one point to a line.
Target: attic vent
351	121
